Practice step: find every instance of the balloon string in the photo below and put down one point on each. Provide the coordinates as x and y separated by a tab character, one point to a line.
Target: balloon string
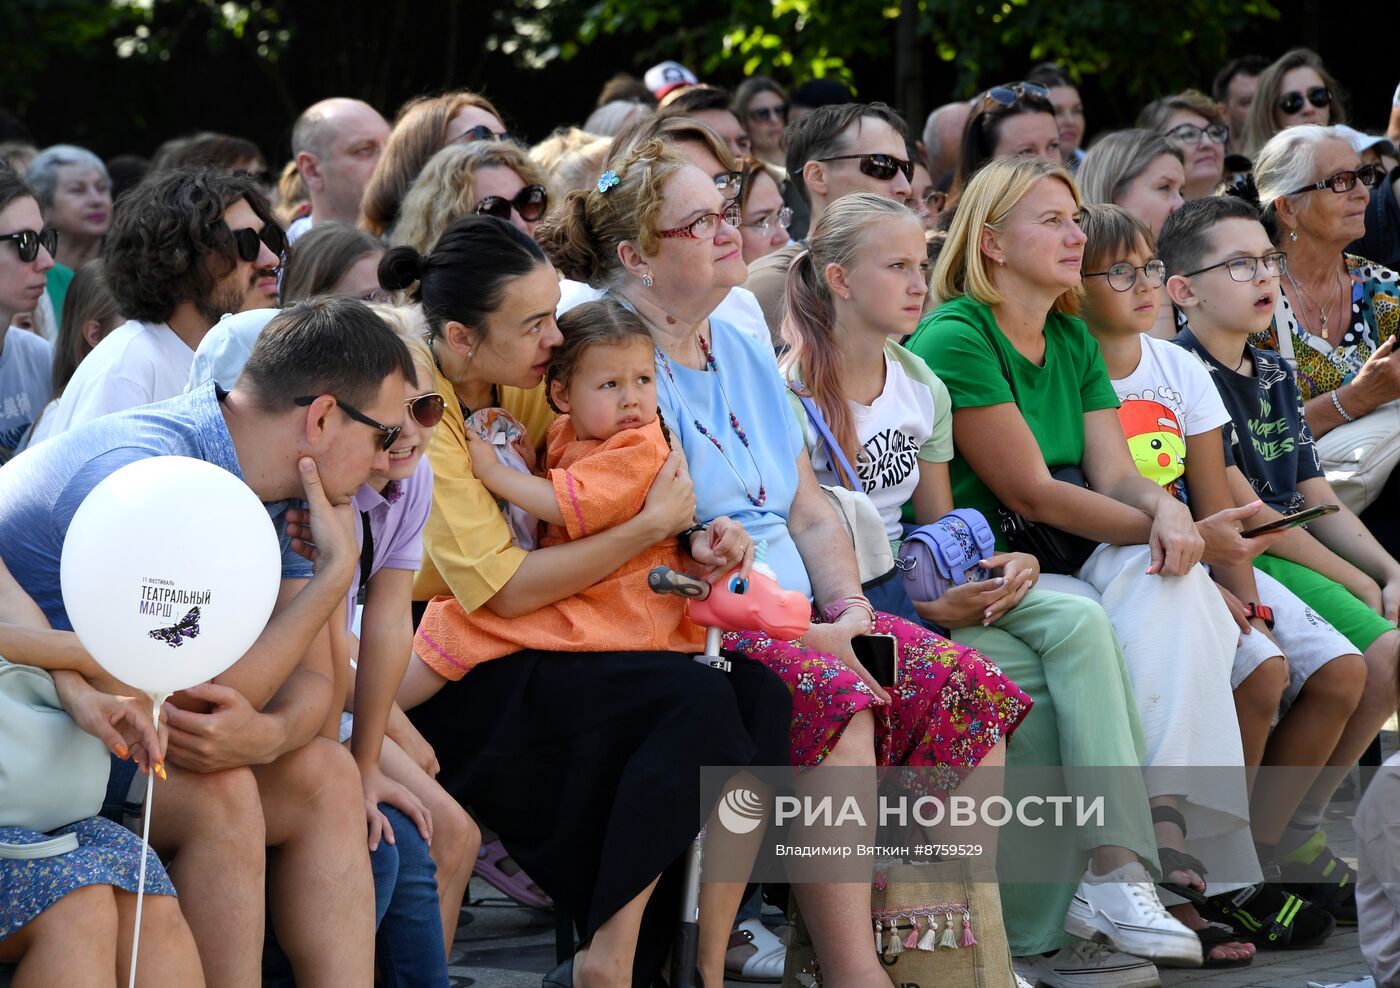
156	701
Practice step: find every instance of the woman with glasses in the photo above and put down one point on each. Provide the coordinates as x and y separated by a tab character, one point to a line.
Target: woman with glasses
1295	89
765	219
662	239
1037	435
483	178
576	760
1142	172
1195	126
761	106
1337	314
423	126
27	247
337	260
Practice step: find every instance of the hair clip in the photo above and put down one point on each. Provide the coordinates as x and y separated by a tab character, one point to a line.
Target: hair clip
607	180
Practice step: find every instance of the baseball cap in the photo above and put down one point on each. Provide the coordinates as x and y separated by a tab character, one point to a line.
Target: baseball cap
663	77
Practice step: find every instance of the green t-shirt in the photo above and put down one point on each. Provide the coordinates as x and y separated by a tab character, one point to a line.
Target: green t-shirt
961	342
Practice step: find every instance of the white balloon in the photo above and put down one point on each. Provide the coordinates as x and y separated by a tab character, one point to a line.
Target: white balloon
170	570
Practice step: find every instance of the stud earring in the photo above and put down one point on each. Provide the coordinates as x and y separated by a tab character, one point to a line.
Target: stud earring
646	280
1001	261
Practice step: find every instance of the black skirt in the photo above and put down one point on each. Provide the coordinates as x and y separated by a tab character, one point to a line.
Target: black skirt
588	766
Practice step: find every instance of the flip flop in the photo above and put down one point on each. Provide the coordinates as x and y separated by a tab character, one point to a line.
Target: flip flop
517	886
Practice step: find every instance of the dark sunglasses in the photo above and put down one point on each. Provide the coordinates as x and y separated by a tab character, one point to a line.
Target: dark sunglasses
249	241
778	112
1009	96
530	202
27	242
480	132
426	409
1368	175
1318	96
880	166
391	432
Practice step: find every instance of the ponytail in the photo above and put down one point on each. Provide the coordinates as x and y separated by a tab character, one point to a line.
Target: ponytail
808	328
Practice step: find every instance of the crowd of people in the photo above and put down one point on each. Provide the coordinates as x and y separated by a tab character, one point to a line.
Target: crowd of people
509	380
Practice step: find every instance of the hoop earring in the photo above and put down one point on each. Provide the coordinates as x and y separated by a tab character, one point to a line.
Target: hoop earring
646	280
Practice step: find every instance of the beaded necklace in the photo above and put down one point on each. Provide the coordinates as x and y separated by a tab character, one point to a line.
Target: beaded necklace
734	424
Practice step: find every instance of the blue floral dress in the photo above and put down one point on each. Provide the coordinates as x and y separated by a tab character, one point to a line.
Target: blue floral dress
107	854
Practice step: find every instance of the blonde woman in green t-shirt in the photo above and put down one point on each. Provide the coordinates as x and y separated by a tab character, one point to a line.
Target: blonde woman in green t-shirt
859	289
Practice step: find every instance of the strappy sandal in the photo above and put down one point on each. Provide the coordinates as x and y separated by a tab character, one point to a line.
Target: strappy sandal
1173	860
1214	935
1271	918
1324	879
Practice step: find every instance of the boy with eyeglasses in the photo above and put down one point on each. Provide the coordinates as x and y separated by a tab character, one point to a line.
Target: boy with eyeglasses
1224	276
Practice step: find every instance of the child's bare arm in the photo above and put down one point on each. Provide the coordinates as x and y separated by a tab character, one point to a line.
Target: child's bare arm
534	494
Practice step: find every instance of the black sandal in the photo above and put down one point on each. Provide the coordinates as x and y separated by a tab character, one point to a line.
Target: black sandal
1173	860
1271	918
1326	880
1214	935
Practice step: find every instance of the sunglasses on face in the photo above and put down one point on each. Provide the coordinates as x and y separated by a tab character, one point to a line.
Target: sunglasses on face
426	409
705	227
530	202
1244	269
1009	96
1318	96
389	432
878	166
729	184
771	222
1368	175
480	132
249	241
1122	276
766	113
27	242
1216	133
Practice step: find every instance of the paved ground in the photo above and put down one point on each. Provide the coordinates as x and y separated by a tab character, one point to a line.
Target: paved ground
504	945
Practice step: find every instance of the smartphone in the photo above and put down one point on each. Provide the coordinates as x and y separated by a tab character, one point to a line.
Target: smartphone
879	654
1291	521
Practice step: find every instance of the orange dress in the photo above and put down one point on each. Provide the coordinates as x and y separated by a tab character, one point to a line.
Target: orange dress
597	484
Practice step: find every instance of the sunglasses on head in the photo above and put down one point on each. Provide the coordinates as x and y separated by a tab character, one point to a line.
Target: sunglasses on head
530	202
1318	96
880	166
1009	96
27	242
480	132
389	432
778	112
249	241
426	409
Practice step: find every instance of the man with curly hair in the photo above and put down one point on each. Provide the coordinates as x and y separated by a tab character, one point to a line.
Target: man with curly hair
183	249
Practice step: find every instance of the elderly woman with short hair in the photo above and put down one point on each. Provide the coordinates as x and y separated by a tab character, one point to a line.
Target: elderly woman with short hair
1337	314
75	195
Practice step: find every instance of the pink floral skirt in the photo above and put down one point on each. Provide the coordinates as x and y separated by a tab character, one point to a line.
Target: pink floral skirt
950	706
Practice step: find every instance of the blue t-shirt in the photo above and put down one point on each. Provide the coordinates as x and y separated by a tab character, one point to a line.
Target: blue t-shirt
42	488
26	372
746	382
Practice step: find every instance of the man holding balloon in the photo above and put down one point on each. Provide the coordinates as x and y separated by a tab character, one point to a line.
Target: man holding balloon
168	572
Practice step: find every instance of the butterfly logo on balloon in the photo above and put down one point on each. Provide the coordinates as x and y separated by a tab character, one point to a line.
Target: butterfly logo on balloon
175	635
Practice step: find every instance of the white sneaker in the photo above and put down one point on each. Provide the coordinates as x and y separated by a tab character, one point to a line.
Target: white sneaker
1023	983
1367	982
1122	910
1091	965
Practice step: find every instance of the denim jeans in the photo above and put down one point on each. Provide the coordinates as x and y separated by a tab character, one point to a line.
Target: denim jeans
409	943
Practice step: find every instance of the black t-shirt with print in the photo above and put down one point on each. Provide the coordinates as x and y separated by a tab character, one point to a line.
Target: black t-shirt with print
1267	438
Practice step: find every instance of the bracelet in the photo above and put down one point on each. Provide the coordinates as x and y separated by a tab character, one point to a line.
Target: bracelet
684	537
1337	404
833	611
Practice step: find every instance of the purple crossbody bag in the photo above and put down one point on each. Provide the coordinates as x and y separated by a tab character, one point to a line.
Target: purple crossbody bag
934	557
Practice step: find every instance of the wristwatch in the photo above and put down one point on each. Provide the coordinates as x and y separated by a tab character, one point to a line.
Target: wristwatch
1263	612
